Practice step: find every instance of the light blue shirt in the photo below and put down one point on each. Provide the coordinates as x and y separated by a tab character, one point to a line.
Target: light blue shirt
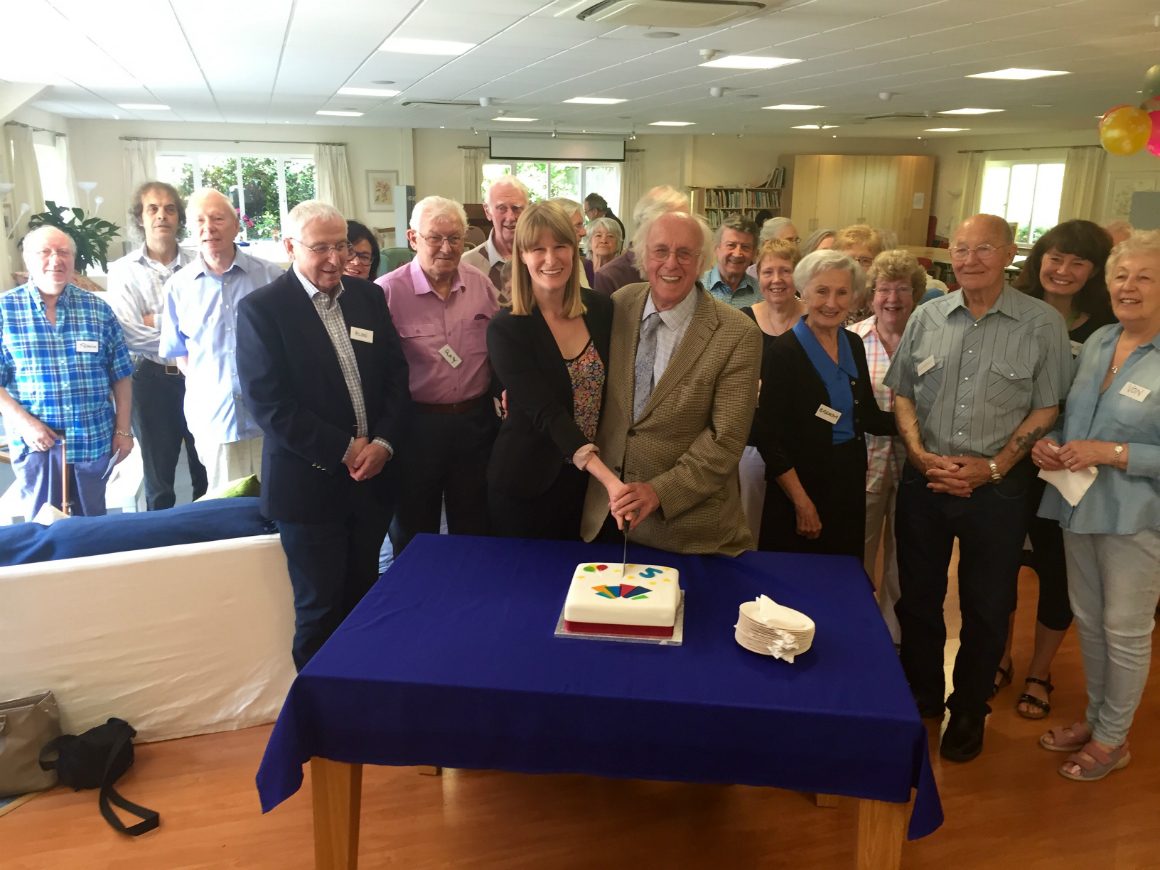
747	291
1118	502
837	377
201	318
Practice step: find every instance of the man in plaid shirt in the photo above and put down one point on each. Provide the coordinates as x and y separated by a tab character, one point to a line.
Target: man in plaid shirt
64	369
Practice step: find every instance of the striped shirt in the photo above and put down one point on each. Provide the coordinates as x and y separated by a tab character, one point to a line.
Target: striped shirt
974	381
136	289
674	324
63	374
882	451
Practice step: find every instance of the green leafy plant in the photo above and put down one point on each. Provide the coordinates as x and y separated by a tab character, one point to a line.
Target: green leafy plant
92	235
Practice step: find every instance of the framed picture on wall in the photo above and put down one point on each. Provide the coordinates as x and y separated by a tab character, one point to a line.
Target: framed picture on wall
381	185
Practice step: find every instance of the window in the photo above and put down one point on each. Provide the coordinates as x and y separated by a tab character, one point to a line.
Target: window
1026	193
547	179
262	187
53	174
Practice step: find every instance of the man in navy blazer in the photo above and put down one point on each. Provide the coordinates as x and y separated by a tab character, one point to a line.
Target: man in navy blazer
323	373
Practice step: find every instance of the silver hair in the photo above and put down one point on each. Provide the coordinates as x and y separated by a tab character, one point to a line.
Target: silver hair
1140	242
812	265
656	202
640	240
34	239
506	181
772	227
307	212
198	198
810	243
569	205
609	226
432	207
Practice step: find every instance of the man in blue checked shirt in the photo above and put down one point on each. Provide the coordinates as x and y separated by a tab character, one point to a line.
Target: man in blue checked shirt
64	369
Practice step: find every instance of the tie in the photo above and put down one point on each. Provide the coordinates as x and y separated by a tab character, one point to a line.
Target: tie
646	357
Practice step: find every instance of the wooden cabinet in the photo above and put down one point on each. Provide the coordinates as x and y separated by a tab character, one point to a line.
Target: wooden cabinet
836	190
717	203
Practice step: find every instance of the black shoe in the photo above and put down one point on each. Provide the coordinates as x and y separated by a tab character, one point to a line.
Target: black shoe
963	739
930	709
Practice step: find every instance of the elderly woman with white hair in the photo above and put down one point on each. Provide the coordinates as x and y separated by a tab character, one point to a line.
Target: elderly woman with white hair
817	402
605	239
776	228
1111	536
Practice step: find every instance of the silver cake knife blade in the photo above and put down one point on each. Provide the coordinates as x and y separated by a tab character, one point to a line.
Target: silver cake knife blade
624	553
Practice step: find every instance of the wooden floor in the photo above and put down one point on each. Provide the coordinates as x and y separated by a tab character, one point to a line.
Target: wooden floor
1007	809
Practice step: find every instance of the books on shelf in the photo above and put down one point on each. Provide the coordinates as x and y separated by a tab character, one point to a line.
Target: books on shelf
740	198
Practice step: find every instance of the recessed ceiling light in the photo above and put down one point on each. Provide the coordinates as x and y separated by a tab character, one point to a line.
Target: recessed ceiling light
595	101
1016	74
368	92
339	113
1043	105
672	123
445	47
750	61
382	82
144	107
816	127
946	129
793	107
514	120
970	111
661	34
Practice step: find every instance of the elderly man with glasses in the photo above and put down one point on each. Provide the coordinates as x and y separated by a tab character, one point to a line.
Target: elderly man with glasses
978	378
323	373
199	333
442	307
64	370
506	199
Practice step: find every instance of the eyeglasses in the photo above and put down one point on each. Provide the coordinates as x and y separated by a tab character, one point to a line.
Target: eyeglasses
983	252
864	262
364	258
684	256
434	241
343	249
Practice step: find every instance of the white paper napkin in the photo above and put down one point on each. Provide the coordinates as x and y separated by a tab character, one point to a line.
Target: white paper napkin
1071	484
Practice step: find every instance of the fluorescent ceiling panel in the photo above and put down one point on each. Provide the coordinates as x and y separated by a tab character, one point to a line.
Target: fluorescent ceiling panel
749	61
440	47
1015	74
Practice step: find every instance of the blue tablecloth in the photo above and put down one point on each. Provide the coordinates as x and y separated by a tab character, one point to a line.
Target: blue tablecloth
451	660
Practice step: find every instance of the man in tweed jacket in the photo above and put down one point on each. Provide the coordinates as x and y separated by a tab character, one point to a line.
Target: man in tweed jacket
678	452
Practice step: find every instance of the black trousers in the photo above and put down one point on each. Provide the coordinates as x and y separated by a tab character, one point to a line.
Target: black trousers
443	458
1048	562
332	565
159	422
553	514
990	526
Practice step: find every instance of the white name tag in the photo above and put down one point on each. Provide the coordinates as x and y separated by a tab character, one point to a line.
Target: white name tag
450	355
1076	347
828	414
85	346
926	365
1135	391
357	333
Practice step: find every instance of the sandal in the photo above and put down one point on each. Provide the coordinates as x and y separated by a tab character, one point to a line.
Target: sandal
1067	738
1004	680
1095	762
1039	708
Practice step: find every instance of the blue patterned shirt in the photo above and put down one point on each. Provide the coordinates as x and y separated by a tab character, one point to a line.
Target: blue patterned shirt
747	292
201	320
63	374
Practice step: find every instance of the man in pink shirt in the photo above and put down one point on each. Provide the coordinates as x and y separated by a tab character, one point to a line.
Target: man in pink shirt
441	309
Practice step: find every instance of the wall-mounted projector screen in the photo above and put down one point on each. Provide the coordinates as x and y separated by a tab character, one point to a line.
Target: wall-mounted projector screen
560	148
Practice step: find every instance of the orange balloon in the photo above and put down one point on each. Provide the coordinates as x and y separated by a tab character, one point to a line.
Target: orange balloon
1110	112
1125	130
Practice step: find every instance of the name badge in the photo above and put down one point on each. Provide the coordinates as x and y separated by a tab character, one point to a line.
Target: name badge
357	333
1135	391
86	346
1076	347
926	365
450	355
828	414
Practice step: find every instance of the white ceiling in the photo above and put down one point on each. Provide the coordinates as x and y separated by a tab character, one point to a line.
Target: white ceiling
279	61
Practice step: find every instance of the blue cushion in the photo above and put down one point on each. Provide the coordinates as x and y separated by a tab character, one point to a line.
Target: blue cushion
93	536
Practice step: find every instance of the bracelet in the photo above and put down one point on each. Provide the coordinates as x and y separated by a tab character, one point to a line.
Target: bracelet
122	434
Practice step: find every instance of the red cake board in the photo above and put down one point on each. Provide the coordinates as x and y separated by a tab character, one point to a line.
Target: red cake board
624	630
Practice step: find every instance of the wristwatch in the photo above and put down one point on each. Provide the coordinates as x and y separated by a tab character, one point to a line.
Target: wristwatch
995	475
1118	450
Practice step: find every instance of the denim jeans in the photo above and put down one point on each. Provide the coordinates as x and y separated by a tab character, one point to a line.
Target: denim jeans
1114	582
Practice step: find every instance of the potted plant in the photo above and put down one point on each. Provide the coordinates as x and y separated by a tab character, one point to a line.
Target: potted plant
92	235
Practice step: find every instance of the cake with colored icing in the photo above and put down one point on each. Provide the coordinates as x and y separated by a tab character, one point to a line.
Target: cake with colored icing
643	602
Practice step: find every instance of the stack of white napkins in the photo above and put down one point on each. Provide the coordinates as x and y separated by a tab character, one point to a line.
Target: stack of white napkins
768	628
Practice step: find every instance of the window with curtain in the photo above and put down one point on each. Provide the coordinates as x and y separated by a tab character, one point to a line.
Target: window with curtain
547	179
53	173
1025	192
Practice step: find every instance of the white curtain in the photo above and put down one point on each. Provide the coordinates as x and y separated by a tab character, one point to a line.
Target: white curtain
64	162
27	195
140	164
631	188
1081	174
332	176
472	174
972	185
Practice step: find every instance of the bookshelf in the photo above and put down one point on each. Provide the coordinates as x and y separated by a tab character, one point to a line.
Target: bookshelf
717	203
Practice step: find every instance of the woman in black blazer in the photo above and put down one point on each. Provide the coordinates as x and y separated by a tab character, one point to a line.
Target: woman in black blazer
550	353
816	403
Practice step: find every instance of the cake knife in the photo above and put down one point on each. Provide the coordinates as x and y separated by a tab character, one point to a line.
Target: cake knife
624	552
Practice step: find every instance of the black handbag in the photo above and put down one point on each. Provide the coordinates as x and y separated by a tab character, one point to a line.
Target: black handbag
97	759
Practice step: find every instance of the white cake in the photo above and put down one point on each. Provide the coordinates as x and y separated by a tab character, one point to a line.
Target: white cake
643	602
